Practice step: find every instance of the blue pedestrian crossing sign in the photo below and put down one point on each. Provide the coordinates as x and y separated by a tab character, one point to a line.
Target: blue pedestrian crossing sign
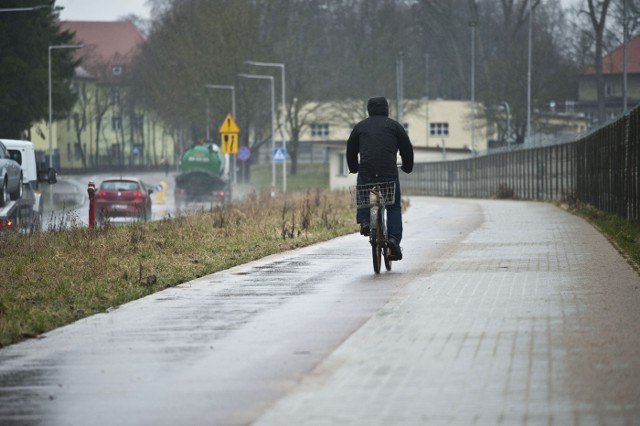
279	154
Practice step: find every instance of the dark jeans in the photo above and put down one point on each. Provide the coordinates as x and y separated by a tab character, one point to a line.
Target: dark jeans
394	211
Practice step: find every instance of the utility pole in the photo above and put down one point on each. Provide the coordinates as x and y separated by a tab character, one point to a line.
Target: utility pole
528	138
473	23
399	86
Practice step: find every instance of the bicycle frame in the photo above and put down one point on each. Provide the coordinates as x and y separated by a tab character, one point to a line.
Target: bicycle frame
375	197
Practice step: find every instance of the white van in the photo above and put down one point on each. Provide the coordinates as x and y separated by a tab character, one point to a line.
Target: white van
24	153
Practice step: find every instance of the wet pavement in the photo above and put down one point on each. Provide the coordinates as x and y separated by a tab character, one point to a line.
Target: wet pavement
501	312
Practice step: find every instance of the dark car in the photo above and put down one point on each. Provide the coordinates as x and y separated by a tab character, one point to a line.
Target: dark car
123	197
10	177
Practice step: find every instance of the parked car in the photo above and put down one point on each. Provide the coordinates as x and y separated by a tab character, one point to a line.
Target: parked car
123	197
10	177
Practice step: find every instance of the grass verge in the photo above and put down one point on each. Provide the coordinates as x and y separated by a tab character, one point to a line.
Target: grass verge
623	234
50	279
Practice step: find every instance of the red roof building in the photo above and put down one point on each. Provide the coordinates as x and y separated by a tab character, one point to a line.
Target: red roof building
110	46
613	62
613	70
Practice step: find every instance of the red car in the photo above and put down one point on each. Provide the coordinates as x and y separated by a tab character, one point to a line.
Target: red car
123	197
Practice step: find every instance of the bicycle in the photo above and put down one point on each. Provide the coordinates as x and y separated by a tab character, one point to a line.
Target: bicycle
376	196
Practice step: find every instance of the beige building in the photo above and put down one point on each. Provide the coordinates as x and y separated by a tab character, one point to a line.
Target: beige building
439	130
104	130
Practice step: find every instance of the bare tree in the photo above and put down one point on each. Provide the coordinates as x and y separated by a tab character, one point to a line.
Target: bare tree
597	13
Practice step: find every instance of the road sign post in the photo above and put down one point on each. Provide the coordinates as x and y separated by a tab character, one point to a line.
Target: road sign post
243	154
229	142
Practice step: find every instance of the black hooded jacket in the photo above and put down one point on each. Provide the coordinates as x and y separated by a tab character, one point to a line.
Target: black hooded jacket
378	139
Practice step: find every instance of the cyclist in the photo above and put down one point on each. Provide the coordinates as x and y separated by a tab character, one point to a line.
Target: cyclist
378	139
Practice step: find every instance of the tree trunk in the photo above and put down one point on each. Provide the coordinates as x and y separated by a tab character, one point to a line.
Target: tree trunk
598	28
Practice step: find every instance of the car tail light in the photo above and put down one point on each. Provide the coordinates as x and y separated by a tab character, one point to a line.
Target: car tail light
101	194
6	223
138	194
218	193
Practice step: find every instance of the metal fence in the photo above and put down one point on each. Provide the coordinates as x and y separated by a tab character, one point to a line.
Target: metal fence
601	169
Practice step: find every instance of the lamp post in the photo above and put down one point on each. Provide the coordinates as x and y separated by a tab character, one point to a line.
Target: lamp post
625	52
283	125
59	46
473	22
273	125
529	76
25	9
506	105
233	114
400	86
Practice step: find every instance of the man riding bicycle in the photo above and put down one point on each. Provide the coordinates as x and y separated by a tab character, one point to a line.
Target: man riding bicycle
378	139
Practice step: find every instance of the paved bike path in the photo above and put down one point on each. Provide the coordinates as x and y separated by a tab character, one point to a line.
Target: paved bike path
534	319
501	312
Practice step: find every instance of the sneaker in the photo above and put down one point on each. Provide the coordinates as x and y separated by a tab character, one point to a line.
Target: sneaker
395	250
365	229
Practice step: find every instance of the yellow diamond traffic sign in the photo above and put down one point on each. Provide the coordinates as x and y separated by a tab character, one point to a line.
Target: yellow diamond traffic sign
229	126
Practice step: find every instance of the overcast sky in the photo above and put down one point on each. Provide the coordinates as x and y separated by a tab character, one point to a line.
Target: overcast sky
101	10
111	10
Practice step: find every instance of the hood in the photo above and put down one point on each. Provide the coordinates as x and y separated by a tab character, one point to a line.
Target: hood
378	106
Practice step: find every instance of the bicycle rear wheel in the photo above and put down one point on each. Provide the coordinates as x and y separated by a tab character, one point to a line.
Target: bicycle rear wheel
379	241
376	253
387	262
384	238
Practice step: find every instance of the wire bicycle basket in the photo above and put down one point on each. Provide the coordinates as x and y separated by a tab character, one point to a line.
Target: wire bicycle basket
373	194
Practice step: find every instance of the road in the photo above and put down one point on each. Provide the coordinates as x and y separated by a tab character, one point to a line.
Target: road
72	202
502	312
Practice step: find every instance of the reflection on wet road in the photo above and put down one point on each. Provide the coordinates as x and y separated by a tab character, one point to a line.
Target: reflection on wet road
221	349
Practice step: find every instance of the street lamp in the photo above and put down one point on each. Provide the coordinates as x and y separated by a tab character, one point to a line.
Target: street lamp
233	100
233	114
25	9
283	125
59	46
273	125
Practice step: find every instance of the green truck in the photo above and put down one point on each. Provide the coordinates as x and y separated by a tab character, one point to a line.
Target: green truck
203	176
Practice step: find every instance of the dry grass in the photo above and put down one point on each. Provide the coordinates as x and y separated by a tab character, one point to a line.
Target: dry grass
50	279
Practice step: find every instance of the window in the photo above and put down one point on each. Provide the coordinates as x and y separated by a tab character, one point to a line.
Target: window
319	129
608	89
138	122
15	155
119	185
343	168
116	123
115	96
117	69
569	107
439	129
77	148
